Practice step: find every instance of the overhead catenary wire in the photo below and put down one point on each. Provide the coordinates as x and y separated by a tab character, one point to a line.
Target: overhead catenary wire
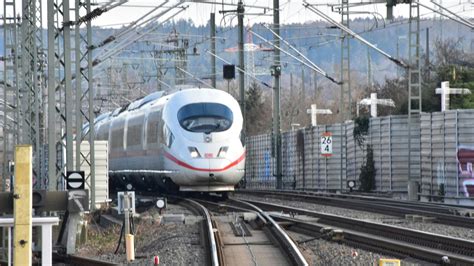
322	72
98	60
393	24
243	71
353	34
164	83
455	17
138	35
196	78
316	69
95	13
129	28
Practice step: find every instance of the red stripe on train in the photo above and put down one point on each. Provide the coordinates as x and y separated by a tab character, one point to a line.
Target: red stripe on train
183	164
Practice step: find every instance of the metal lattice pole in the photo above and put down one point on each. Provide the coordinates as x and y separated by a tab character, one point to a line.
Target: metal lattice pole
414	92
90	93
345	107
56	94
84	96
68	100
10	87
32	81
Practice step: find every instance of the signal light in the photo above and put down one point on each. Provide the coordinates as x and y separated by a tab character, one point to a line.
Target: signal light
222	152
194	152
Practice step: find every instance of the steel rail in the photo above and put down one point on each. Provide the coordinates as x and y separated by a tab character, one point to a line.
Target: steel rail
209	231
374	206
448	209
453	245
376	243
288	246
437	205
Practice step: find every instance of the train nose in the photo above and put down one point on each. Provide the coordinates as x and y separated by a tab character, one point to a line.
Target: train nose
218	165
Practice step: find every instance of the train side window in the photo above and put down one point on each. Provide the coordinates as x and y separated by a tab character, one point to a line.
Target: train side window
117	139
134	135
152	134
168	136
98	133
153	128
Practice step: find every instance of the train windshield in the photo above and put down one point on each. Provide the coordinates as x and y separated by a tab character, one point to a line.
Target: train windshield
205	117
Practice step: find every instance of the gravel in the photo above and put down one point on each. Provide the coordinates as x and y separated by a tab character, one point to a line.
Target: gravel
322	252
174	243
452	231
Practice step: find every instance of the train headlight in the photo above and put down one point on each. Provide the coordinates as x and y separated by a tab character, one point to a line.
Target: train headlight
222	152
194	152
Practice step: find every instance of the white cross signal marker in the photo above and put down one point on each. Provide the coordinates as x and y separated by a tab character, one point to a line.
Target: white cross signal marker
315	111
445	91
373	102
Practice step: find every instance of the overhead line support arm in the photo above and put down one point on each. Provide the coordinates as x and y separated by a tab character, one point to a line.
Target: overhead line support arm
314	68
353	34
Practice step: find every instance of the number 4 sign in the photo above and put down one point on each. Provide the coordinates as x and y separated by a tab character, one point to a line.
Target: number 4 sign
326	144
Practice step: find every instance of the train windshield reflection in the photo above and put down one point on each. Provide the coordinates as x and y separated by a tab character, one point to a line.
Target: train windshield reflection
205	117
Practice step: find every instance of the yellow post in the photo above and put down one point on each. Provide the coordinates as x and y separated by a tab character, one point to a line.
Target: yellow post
22	205
130	247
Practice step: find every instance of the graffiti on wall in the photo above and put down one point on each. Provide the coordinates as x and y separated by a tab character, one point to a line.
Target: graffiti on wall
466	175
440	178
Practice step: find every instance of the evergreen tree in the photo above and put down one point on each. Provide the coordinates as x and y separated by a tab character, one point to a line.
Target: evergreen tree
258	121
367	172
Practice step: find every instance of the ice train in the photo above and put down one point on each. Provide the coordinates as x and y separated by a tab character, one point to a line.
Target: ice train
189	140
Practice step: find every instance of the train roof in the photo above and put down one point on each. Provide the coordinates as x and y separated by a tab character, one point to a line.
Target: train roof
140	102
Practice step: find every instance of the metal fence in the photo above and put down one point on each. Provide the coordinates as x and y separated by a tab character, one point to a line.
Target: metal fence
442	156
259	168
388	137
447	154
305	168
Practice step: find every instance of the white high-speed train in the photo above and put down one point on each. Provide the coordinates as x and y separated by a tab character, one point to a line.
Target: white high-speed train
189	140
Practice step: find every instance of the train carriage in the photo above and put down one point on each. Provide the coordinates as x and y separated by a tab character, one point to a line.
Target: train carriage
188	141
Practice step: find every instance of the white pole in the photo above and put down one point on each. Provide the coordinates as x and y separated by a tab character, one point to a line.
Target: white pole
46	244
9	246
444	96
314	121
373	104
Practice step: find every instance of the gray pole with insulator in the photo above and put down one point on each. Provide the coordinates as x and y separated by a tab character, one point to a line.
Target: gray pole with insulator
276	72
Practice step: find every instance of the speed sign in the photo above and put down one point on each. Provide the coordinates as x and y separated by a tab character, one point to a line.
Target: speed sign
326	144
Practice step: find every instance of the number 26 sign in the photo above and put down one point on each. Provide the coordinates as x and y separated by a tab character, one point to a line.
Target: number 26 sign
326	144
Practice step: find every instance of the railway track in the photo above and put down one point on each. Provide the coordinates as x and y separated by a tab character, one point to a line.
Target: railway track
74	260
250	235
205	238
442	214
379	237
208	231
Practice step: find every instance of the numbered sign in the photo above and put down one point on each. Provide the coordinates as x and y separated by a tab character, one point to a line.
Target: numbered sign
326	144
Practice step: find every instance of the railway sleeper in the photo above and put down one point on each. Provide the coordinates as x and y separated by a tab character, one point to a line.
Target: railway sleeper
371	241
